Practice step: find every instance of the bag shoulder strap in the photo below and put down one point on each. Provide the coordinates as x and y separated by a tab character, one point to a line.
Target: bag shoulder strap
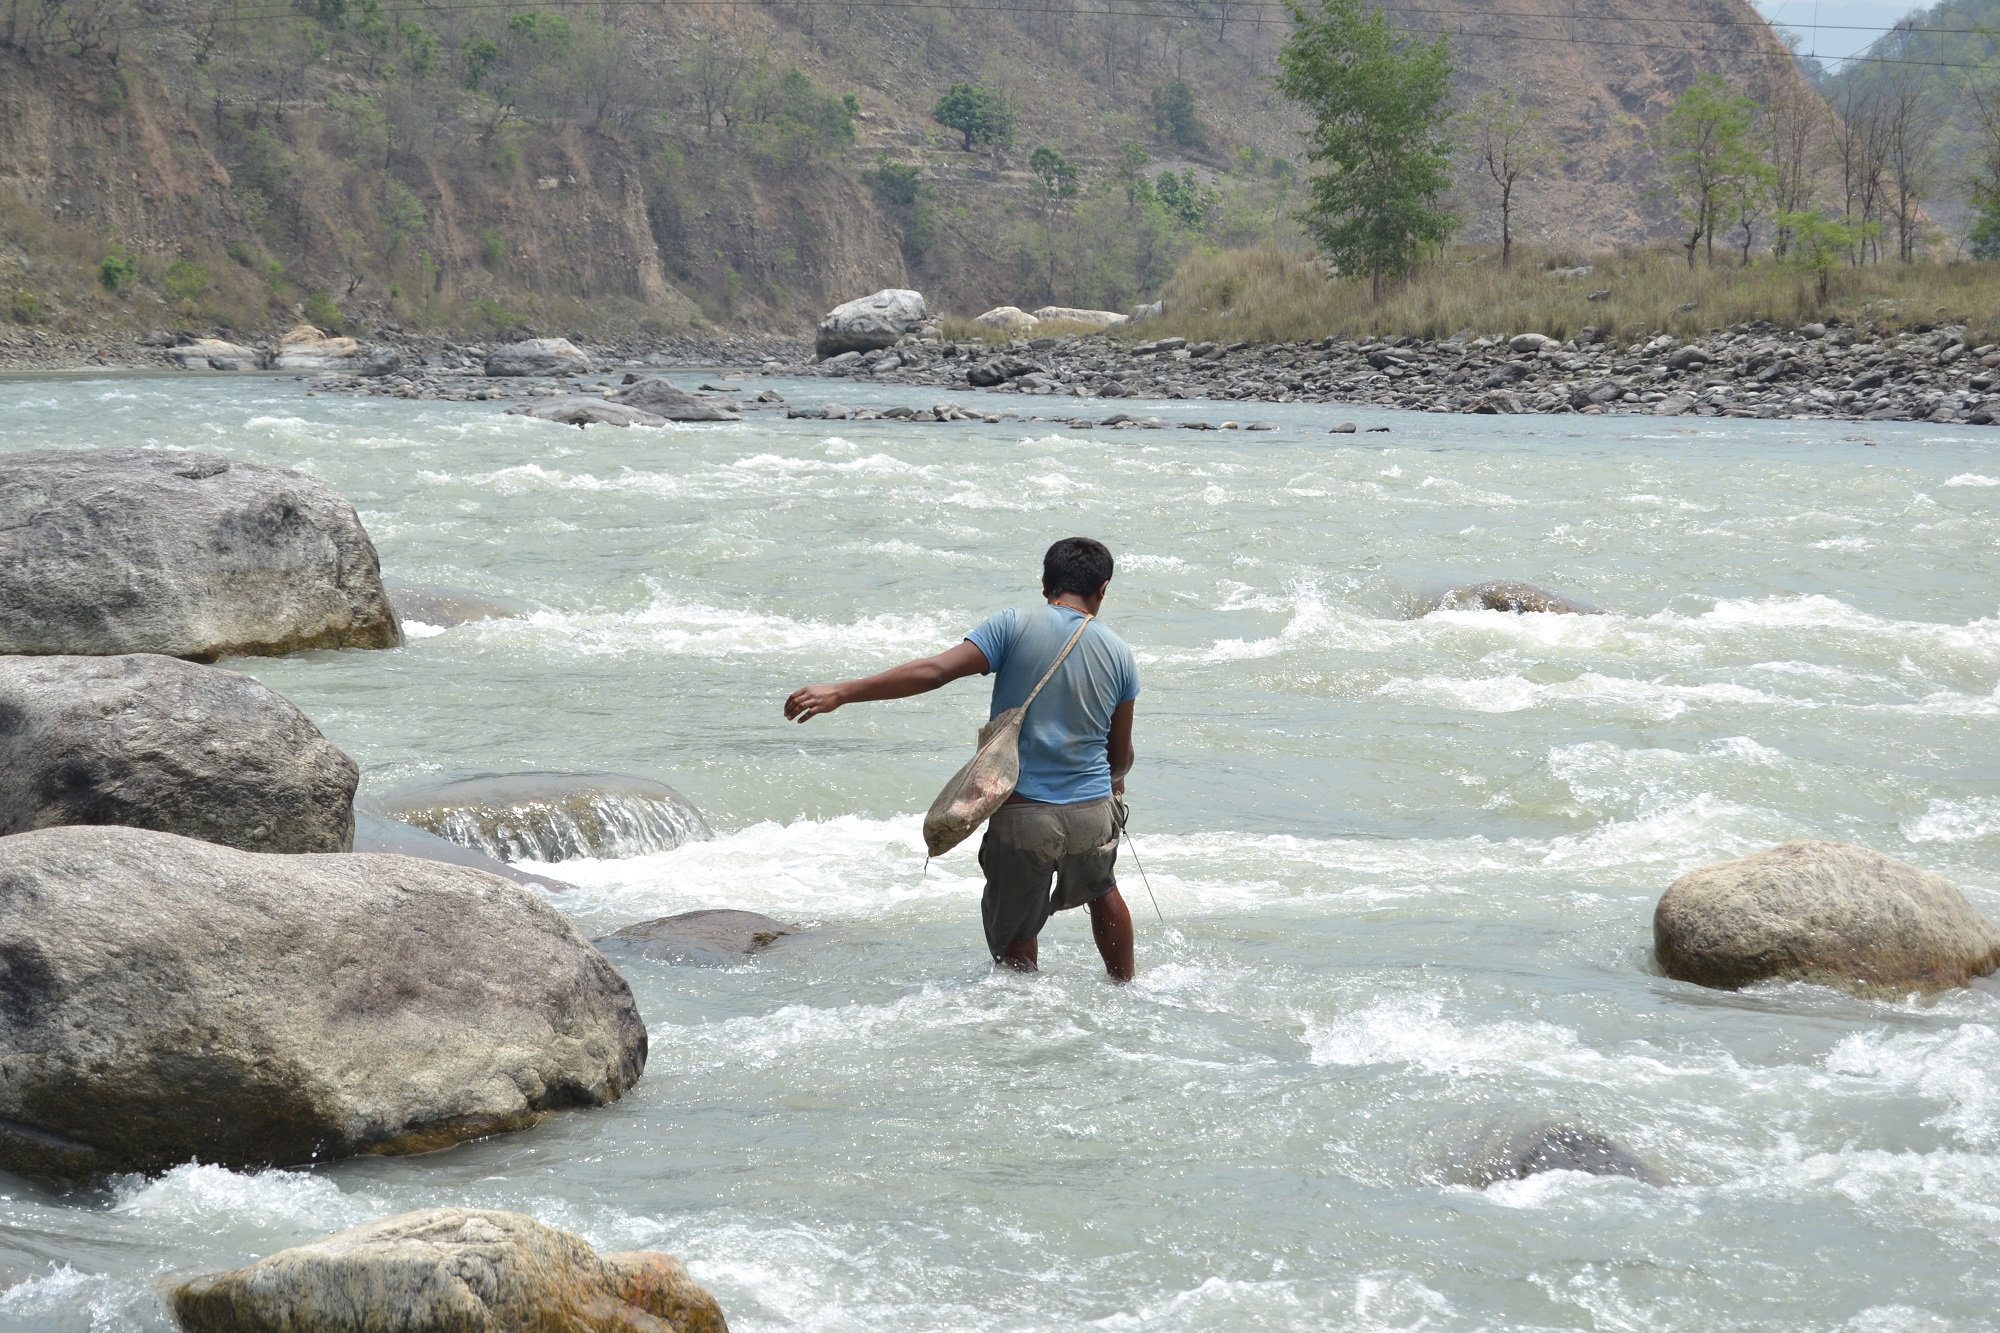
1087	618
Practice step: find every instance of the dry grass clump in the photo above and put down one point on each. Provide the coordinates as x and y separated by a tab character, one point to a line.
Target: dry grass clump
1272	295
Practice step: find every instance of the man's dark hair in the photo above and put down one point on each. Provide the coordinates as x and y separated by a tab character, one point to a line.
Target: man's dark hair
1078	565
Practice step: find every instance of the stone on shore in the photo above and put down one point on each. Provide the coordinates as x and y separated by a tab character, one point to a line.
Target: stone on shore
307	348
157	743
998	370
579	410
1007	318
552	816
708	938
173	1001
1508	595
1532	342
538	356
108	551
1062	314
870	323
663	398
1822	912
447	1270
214	354
1517	1153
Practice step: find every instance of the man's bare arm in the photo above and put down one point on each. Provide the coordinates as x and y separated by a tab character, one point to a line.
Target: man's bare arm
1118	746
898	682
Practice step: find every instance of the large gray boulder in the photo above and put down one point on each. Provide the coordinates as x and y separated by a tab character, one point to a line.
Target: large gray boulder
582	410
158	743
538	356
451	1270
214	354
663	398
869	323
552	816
1824	912
170	1001
144	551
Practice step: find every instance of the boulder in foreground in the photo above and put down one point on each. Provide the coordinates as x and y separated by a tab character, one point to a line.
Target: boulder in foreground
663	398
144	551
172	1001
158	743
1517	1153
538	356
451	1270
870	323
1823	912
708	938
1508	595
552	816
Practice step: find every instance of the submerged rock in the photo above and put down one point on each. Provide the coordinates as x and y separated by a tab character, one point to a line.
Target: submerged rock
538	356
553	816
444	607
442	1270
380	835
144	551
663	398
157	743
1823	912
869	323
1507	595
1517	1153
173	1001
579	410
705	938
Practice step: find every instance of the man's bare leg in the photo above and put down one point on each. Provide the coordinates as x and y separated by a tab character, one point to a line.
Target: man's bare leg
1111	927
1022	956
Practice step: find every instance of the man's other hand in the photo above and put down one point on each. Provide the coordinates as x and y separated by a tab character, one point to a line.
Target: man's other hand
811	701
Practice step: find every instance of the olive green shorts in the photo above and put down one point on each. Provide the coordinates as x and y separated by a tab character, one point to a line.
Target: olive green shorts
1026	846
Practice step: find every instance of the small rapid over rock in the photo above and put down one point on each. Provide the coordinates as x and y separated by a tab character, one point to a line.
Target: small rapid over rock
552	816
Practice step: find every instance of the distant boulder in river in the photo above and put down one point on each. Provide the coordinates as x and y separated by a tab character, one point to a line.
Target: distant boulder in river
552	816
157	743
1824	912
188	554
665	399
447	1269
580	410
538	356
173	1001
1507	595
870	323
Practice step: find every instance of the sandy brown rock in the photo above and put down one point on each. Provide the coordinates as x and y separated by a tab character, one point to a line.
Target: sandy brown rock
169	1000
1824	912
451	1270
158	743
187	554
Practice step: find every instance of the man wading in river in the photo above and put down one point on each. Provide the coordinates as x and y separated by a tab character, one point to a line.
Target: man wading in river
1064	818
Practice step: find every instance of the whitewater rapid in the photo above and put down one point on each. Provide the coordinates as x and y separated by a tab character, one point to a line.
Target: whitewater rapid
1404	868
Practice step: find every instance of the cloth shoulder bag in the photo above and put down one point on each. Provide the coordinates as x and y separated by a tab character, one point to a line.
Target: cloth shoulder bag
989	778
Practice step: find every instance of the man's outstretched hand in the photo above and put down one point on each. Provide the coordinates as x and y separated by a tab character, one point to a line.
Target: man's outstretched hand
811	701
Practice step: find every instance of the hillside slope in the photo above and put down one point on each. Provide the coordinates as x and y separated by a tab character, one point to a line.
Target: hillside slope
581	166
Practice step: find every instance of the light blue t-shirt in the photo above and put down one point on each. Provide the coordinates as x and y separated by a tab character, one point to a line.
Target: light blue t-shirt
1063	760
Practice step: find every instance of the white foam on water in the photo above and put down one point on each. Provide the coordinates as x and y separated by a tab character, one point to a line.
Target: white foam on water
417	629
1512	694
873	463
1966	820
670	626
1973	479
214	1200
1957	1071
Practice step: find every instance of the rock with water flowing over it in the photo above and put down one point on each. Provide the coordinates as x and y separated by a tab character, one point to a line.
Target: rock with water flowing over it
171	1001
581	410
214	354
1517	1152
537	356
664	399
443	1270
552	816
188	554
710	937
158	743
1823	912
870	323
441	607
378	834
1508	595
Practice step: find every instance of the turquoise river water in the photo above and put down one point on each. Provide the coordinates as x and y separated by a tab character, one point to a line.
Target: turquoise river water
1406	866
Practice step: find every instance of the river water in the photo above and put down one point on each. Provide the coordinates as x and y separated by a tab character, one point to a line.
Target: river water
1405	868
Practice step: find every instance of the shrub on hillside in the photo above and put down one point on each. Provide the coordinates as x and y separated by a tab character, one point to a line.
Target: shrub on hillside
1174	118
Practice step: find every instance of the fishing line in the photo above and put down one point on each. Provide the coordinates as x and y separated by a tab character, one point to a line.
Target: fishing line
1126	834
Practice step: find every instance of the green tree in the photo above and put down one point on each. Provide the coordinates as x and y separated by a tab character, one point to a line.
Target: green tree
981	114
1174	118
1510	146
115	271
1057	175
1380	104
1984	240
1186	200
1706	140
1821	244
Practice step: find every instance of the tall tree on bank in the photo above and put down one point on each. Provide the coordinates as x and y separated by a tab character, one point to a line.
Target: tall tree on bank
1510	146
1707	144
1381	107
